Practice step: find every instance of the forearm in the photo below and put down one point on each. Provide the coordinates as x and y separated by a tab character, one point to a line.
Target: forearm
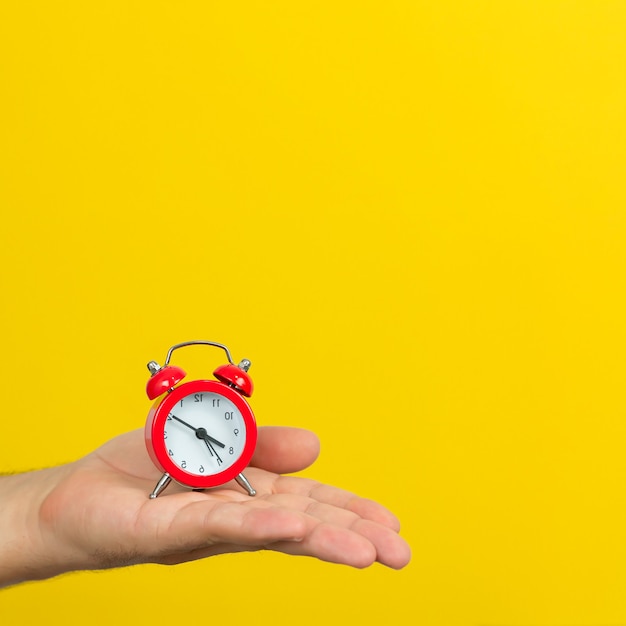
27	551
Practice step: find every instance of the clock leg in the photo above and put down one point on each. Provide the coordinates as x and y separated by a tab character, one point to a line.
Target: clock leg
243	481
164	481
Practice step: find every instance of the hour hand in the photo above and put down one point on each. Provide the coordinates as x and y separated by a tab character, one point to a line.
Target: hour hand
201	433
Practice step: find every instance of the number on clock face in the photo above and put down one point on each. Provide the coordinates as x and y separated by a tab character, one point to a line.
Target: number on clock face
204	433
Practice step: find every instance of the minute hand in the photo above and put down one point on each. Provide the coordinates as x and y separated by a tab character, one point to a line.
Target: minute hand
183	422
201	433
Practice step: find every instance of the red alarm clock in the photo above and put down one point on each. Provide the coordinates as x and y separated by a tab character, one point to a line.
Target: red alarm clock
200	433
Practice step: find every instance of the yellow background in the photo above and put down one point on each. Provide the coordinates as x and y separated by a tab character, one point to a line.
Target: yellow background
409	215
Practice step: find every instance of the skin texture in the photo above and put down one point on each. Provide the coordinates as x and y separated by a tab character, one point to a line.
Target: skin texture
95	513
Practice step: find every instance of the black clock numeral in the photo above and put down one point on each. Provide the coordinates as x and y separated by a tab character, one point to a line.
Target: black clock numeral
236	431
169	418
228	415
231	450
165	434
183	464
216	402
170	452
181	403
197	397
201	469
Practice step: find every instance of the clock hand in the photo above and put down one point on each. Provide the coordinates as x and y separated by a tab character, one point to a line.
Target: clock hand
208	445
213	451
201	433
184	423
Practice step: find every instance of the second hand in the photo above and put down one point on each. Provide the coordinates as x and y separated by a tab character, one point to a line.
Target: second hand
212	450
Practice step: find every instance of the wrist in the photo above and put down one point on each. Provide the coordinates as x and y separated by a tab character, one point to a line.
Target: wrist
27	551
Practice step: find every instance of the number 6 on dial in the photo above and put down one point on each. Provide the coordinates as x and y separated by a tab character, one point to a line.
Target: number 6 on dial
200	433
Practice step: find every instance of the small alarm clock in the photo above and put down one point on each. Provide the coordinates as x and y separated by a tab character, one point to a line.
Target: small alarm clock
200	433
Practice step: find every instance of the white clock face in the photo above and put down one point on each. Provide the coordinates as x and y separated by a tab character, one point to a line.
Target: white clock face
204	433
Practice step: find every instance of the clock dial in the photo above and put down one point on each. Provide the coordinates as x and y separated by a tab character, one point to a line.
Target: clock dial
204	433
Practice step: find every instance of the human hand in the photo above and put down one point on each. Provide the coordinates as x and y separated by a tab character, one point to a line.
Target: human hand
95	513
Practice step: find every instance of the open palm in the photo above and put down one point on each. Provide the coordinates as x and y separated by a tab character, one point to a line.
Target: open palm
98	511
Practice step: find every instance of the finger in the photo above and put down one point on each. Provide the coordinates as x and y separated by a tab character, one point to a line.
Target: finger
367	509
391	550
333	544
360	546
284	450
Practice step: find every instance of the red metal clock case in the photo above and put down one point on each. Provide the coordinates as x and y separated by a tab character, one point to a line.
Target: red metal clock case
155	425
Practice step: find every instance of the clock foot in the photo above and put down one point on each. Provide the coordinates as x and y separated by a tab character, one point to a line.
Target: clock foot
164	481
243	481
